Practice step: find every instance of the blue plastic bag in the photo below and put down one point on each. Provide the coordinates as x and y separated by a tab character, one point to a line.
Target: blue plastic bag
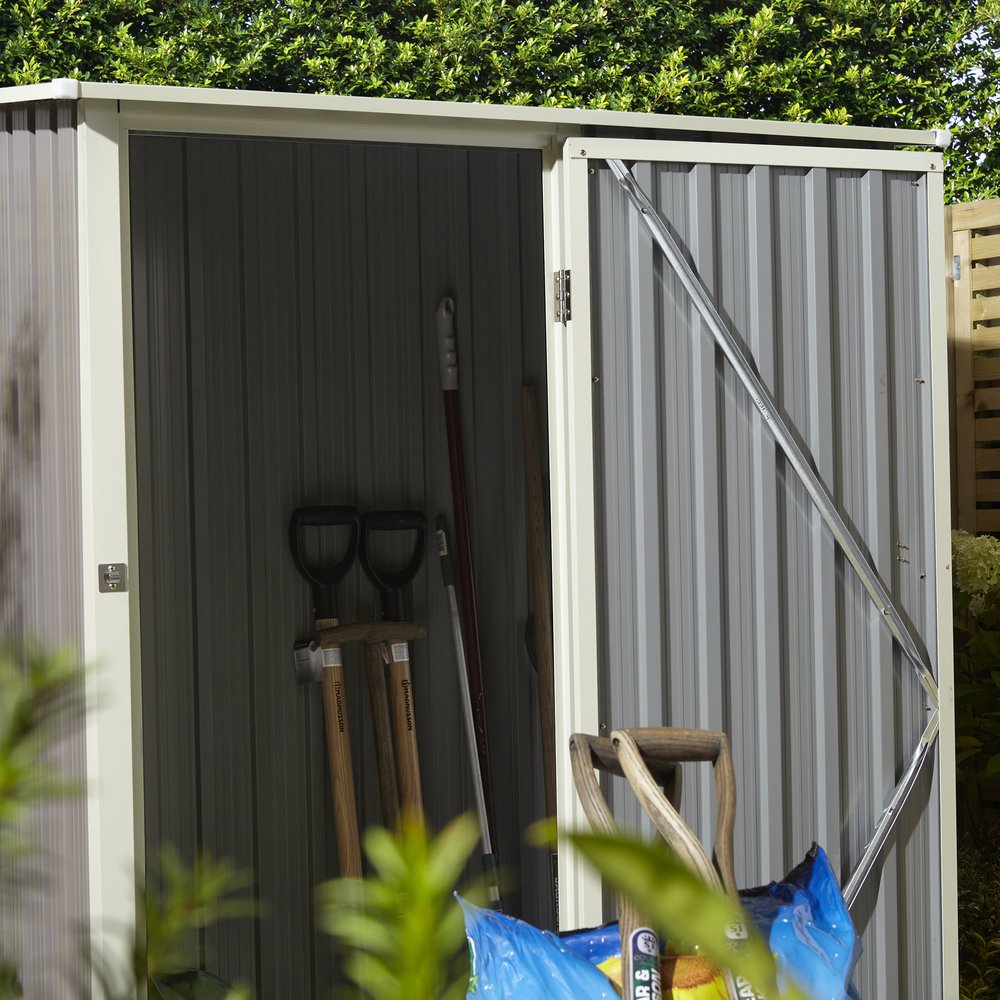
509	958
803	918
806	922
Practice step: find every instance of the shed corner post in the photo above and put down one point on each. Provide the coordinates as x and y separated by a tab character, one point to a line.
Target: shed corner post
574	578
107	471
939	316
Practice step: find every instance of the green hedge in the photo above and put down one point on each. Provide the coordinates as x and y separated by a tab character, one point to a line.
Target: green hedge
908	63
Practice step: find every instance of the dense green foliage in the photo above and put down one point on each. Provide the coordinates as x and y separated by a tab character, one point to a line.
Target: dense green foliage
977	678
979	916
907	63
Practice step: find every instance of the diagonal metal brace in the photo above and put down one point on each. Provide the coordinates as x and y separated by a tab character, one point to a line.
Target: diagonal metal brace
856	552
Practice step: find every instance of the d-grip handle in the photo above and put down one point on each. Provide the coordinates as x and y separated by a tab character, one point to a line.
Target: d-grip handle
390	582
639	750
324	578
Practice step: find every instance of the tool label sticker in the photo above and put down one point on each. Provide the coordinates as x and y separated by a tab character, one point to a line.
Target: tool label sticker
401	652
332	657
644	952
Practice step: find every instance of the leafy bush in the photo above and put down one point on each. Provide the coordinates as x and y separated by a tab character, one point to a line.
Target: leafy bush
979	916
907	63
976	575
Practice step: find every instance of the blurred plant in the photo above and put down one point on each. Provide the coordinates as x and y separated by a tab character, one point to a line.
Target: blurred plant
41	695
976	592
180	902
979	917
41	698
401	930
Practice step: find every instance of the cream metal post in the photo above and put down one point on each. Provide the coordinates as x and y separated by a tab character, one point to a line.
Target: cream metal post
105	398
941	413
574	611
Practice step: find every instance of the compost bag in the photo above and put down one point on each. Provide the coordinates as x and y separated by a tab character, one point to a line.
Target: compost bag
806	922
803	918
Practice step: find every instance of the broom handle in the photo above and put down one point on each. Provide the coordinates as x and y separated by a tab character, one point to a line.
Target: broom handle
463	546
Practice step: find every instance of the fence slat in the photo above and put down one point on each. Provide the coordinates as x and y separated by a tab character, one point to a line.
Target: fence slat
975	215
984	247
987	399
985	307
965	414
985	278
987	369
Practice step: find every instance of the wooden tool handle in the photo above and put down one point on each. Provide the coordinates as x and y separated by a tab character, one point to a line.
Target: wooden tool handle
382	732
404	731
604	757
636	748
338	748
598	813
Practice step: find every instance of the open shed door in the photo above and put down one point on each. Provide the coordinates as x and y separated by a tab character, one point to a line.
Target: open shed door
727	597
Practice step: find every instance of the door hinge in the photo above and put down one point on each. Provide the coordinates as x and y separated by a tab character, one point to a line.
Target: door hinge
112	578
563	304
956	268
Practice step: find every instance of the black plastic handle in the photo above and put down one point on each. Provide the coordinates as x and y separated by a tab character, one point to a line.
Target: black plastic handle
390	583
324	578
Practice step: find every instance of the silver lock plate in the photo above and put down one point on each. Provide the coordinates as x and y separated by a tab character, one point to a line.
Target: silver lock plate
112	578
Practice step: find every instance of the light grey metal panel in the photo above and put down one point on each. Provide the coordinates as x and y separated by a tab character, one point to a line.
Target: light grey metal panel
40	544
763	629
302	348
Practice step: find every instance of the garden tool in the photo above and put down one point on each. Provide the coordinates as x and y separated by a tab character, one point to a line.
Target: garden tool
324	577
390	584
448	354
448	575
649	759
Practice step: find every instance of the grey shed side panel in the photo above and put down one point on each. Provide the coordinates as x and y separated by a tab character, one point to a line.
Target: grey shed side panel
727	603
40	541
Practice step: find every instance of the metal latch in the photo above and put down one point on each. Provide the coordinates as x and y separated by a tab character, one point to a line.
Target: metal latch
956	268
112	578
563	313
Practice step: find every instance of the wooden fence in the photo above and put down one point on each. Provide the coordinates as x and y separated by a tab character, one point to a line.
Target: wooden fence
974	318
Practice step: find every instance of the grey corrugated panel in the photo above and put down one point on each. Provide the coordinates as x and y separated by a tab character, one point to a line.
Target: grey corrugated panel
220	526
270	345
824	273
39	347
164	476
918	871
313	273
764	751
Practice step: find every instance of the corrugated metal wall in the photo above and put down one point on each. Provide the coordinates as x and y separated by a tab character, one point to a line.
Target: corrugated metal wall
727	604
285	353
40	544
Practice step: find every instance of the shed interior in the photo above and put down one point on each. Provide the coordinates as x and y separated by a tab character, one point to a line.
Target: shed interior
285	353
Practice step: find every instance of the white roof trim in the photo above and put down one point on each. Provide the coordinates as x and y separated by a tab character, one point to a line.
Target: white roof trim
246	102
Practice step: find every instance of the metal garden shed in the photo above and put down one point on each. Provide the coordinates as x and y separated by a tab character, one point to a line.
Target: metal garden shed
219	305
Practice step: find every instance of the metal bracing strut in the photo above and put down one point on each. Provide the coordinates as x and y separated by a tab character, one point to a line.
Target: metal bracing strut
855	550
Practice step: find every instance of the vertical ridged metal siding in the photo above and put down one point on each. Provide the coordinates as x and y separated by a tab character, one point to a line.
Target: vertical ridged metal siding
285	353
728	605
40	543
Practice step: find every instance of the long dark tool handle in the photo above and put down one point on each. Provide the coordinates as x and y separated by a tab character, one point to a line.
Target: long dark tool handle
448	578
541	611
401	710
463	545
